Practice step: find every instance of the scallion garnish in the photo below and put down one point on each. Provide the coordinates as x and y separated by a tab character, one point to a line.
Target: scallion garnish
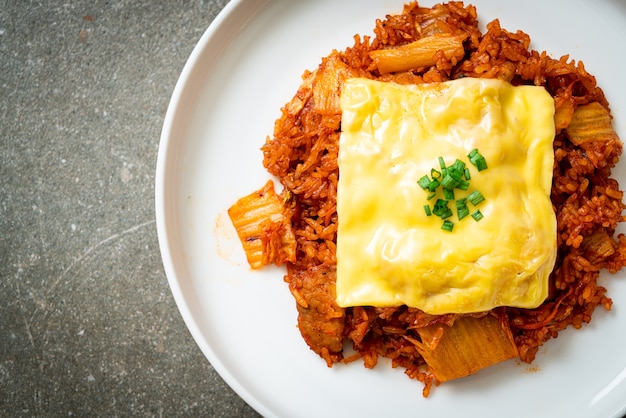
461	208
447	226
433	185
441	209
475	197
459	165
478	215
449	182
455	173
477	159
424	182
463	184
448	194
455	176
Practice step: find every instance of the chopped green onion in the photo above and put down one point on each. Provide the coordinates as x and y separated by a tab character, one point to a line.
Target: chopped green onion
461	208
449	182
459	165
475	197
477	159
433	185
454	176
441	209
455	173
448	194
463	185
478	215
480	163
447	226
424	182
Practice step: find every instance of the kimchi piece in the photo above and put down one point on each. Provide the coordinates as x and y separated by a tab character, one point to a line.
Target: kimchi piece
263	226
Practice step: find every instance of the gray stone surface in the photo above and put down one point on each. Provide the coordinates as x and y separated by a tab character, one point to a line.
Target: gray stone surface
88	326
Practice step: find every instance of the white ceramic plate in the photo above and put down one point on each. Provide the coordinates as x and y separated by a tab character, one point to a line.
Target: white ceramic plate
244	69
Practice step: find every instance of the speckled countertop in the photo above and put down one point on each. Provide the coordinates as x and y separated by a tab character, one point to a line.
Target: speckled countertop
88	325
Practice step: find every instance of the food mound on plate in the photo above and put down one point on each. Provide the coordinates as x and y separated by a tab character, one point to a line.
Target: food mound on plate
447	197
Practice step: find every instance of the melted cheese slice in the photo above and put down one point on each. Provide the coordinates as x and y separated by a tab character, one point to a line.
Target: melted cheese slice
389	252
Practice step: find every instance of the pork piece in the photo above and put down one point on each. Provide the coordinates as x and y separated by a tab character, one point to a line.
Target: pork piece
320	319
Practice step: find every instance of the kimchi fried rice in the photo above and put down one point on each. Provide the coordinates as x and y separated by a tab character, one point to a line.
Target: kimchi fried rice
302	154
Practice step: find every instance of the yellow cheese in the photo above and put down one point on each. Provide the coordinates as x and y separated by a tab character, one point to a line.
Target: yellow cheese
389	252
